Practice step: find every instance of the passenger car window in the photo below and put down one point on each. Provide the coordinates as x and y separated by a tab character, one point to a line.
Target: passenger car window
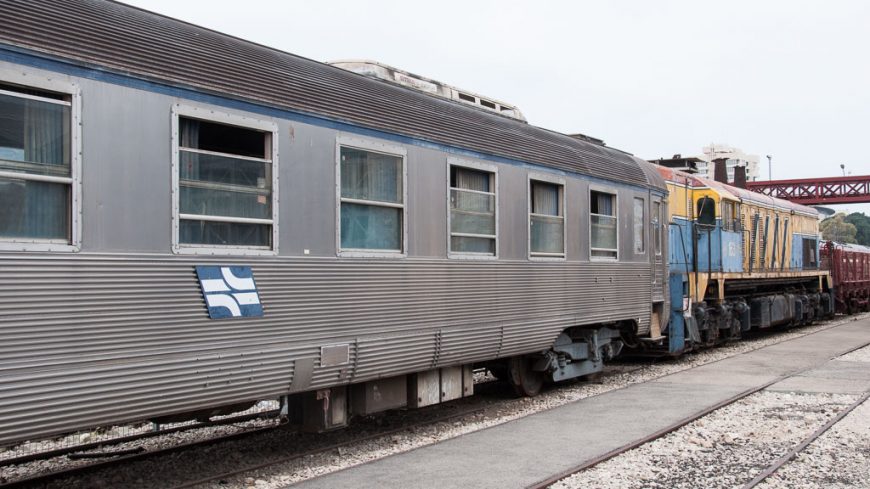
372	200
472	211
603	231
36	174
546	219
224	185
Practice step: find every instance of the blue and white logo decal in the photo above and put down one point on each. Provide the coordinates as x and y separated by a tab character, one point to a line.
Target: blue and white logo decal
229	291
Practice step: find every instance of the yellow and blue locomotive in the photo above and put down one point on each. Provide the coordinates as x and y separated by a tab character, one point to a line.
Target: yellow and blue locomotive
738	260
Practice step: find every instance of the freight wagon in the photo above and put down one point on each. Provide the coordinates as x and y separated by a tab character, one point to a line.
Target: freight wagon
849	265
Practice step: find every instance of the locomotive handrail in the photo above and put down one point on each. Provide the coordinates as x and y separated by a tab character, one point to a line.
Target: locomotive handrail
685	255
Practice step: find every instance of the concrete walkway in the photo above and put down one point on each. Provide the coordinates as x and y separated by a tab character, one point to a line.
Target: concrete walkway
521	452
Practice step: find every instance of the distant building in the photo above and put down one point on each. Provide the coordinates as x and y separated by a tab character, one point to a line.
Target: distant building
733	156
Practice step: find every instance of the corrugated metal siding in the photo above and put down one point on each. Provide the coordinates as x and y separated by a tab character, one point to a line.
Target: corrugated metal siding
474	344
98	393
98	339
149	46
659	286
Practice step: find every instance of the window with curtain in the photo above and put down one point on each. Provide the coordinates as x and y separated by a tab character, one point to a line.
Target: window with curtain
35	165
602	235
639	220
472	211
225	185
372	201
546	219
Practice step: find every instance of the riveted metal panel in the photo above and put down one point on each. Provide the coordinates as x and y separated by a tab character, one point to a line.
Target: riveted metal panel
424	388
333	355
451	383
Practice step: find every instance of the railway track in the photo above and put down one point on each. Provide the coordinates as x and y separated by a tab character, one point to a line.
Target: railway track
115	457
82	450
128	458
769	470
780	462
110	457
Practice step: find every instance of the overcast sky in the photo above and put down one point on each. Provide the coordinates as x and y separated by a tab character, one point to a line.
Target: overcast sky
786	78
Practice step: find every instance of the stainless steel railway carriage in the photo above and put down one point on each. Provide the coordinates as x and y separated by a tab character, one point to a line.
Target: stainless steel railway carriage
369	242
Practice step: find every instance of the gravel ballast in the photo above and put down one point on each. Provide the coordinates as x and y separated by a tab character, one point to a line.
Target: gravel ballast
724	449
732	445
840	458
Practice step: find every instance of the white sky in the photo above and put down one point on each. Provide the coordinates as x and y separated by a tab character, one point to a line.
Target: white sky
655	78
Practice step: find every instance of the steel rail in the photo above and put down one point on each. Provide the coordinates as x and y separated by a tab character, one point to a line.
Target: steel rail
542	484
41	479
778	463
127	457
49	454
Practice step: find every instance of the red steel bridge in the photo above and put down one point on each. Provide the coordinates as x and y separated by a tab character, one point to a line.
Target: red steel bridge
817	191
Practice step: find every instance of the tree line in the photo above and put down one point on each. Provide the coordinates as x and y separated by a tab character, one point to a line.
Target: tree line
854	228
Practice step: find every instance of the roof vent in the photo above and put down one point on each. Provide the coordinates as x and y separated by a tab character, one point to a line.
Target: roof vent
388	73
588	139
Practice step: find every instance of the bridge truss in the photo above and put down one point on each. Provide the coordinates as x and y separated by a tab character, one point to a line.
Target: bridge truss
817	191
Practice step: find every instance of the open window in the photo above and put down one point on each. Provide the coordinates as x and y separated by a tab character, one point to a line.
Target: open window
225	183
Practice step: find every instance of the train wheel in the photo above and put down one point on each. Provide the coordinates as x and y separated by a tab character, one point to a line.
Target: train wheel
526	382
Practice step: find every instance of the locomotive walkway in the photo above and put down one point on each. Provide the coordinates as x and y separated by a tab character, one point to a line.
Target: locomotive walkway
527	450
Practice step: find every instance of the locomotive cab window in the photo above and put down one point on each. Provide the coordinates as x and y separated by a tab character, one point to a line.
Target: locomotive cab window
706	211
546	219
472	203
372	201
810	253
225	184
603	231
38	169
